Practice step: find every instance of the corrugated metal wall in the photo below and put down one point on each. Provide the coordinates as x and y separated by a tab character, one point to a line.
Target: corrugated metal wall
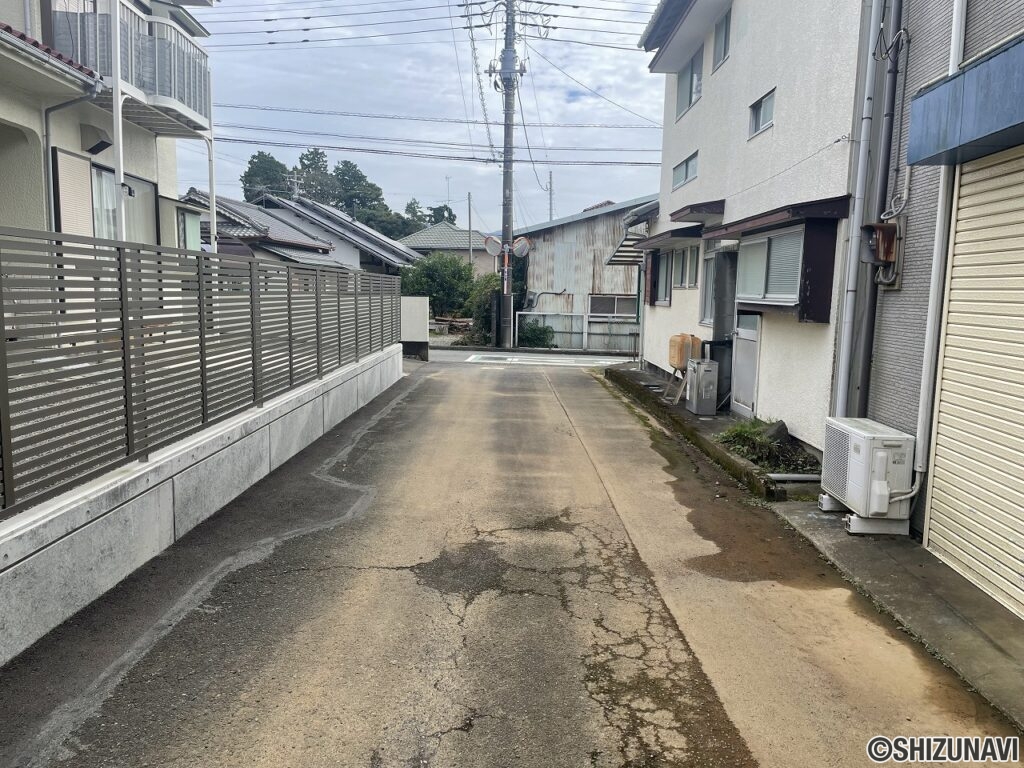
571	257
990	22
900	318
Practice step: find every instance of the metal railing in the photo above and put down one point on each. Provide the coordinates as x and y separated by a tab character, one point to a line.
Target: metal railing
111	350
591	333
157	57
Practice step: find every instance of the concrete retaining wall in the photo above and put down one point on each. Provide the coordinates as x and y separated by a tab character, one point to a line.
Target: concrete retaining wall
61	555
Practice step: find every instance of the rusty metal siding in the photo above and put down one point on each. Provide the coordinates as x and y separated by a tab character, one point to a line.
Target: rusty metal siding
572	257
990	22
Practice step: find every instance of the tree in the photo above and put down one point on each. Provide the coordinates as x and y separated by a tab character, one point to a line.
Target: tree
415	214
387	222
265	173
354	190
315	179
444	277
441	213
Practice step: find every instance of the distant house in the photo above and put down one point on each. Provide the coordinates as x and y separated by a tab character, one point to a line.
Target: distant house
450	239
572	288
303	231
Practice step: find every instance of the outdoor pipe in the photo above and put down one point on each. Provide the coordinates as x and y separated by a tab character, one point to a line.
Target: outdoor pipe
211	169
866	335
51	214
846	341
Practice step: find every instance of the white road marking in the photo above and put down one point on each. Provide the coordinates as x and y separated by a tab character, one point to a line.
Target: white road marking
563	362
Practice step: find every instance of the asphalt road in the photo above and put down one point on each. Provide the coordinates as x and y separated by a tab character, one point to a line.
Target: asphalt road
496	563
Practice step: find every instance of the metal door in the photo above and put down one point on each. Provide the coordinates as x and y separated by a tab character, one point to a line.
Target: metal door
744	363
975	514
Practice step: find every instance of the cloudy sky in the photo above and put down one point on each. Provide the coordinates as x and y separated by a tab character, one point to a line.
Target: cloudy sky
403	58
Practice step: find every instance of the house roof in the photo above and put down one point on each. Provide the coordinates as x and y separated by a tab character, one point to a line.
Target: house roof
346	228
11	35
664	21
589	213
443	236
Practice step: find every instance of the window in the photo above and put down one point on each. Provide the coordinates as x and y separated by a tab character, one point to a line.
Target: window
188	230
722	29
663	279
684	267
769	269
688	82
762	113
685	172
613	305
139	207
104	203
707	291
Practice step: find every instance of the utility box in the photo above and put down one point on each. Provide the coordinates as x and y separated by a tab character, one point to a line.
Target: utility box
416	326
701	396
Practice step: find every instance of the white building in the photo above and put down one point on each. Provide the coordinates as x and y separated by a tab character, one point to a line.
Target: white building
760	100
66	163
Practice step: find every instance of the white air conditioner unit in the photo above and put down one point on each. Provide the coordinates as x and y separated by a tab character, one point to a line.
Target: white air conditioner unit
866	464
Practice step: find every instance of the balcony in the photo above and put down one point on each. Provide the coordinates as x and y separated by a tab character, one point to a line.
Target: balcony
164	73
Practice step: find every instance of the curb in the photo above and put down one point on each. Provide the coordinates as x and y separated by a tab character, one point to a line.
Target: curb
747	473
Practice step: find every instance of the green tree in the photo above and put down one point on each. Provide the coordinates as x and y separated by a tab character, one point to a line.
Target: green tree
441	213
415	214
479	306
445	278
265	173
355	191
315	179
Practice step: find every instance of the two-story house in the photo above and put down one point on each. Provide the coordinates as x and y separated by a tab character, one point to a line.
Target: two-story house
87	136
760	100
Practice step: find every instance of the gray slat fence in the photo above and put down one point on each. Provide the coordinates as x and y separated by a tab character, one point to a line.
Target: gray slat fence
111	350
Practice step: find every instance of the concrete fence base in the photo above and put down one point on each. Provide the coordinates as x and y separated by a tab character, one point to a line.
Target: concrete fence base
61	555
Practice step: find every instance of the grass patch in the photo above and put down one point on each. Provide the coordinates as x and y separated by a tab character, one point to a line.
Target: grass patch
754	440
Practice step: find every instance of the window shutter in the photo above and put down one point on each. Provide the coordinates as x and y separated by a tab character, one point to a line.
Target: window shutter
784	266
750	270
73	192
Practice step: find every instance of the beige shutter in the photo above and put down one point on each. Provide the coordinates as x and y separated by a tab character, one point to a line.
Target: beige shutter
73	190
976	494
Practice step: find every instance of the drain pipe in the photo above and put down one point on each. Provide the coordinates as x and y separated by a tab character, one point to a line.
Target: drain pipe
51	213
846	341
937	284
212	174
866	335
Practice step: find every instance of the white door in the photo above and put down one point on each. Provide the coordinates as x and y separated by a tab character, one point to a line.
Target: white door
975	512
744	363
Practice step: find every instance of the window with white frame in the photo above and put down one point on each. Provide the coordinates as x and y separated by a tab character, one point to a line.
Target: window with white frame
689	82
707	289
613	305
762	113
684	267
722	30
768	270
685	172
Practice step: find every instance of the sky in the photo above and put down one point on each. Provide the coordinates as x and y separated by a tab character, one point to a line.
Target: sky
376	58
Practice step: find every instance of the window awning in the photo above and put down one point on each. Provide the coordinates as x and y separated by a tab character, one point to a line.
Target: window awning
627	254
830	208
699	211
671	238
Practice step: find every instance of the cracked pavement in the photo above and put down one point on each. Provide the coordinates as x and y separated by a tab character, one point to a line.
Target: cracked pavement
486	567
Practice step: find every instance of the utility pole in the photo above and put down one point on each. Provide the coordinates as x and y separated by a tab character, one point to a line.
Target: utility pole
469	206
508	73
551	196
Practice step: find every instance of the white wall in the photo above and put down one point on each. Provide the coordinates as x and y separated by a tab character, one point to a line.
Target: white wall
661	323
807	52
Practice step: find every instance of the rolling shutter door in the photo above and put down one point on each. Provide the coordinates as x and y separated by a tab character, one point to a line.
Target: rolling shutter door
976	494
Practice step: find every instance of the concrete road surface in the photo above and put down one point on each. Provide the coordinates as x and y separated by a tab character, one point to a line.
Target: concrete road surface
494	564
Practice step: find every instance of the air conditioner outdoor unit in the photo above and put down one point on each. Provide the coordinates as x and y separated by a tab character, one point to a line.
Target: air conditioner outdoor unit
866	464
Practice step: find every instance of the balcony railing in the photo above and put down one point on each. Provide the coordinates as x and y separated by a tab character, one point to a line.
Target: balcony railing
111	350
157	57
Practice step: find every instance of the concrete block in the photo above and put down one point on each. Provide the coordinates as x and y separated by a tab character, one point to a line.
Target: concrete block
53	584
369	385
294	431
340	403
201	490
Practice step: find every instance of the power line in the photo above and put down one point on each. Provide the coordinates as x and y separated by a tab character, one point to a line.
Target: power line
462	85
414	118
425	155
526	138
314	4
596	93
330	27
333	45
220	46
480	89
335	14
583	42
